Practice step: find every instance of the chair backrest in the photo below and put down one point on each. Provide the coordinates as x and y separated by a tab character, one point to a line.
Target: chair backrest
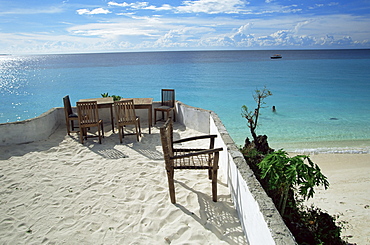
168	97
167	140
67	105
88	112
125	111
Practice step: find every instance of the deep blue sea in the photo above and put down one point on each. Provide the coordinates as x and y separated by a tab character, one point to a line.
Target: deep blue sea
322	97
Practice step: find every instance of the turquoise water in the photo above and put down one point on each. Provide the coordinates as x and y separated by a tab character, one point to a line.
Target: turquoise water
322	97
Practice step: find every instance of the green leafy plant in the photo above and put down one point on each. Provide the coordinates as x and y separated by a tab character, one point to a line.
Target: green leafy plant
322	225
284	174
115	97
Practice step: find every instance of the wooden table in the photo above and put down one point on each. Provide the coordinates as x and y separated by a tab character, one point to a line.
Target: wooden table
104	102
144	103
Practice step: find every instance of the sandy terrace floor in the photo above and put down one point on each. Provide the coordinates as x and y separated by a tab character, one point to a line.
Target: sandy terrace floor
58	191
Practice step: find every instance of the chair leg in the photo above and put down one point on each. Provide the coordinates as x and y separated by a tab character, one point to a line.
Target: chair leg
167	115
73	125
137	132
209	174
120	133
67	125
214	185
102	129
139	127
82	132
99	134
171	185
214	177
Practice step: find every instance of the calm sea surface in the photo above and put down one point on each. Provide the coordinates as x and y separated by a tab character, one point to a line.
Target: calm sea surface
322	97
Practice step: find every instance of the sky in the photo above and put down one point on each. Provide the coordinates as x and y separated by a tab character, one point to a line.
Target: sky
87	26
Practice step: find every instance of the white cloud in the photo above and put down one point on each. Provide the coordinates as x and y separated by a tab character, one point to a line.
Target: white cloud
135	32
299	25
183	37
278	39
198	6
164	7
113	30
136	5
212	6
324	5
141	5
94	11
244	28
124	4
27	11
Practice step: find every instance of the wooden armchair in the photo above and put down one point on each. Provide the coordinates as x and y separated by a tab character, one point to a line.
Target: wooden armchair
69	115
88	117
125	115
167	104
185	158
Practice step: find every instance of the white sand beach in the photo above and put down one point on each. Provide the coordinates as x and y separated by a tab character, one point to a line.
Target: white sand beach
348	194
58	191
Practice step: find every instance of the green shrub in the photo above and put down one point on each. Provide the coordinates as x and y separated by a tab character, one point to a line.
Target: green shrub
292	180
115	97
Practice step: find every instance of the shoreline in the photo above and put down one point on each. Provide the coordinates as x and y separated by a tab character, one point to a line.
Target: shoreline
325	147
348	194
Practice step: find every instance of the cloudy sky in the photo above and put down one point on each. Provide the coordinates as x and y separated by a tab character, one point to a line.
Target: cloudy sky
75	26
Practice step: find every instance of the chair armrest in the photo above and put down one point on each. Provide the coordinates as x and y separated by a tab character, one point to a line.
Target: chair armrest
197	153
190	149
208	136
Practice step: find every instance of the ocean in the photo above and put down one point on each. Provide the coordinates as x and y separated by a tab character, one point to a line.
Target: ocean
322	97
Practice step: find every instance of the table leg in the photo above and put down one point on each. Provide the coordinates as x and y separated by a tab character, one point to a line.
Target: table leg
150	118
111	117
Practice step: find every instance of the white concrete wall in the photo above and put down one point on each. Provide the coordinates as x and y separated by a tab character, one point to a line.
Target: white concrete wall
41	127
193	117
30	130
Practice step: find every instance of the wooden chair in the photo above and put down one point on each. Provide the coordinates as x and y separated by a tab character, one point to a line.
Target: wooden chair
88	117
185	158
167	104
69	115
125	115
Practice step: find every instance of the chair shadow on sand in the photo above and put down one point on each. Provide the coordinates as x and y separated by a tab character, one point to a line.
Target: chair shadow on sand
216	216
111	148
149	145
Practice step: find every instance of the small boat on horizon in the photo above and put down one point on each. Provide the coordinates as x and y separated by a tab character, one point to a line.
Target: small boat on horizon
276	56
